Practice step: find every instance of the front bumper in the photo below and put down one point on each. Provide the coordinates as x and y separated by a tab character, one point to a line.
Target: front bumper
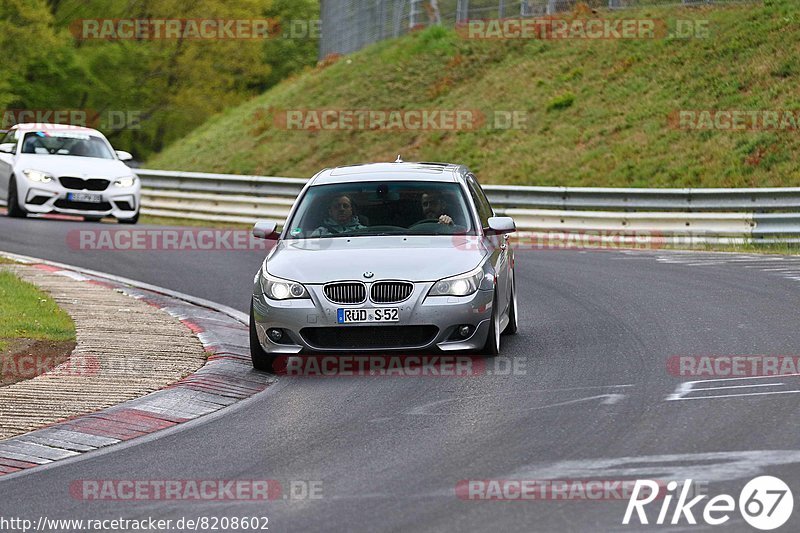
439	315
44	198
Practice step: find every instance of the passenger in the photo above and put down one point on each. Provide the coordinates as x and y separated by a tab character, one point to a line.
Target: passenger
81	148
434	207
30	144
341	218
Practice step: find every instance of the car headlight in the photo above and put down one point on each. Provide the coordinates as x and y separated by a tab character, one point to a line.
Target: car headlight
126	181
461	285
281	289
37	176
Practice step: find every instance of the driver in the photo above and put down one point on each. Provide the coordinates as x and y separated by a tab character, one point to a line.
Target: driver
434	207
340	218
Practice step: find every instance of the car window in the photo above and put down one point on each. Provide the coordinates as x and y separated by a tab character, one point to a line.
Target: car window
65	143
381	208
481	202
10	137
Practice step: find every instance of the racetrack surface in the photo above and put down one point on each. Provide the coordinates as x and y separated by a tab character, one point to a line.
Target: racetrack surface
589	399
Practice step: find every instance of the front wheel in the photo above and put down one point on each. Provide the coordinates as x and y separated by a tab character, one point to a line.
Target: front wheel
492	346
261	360
14	210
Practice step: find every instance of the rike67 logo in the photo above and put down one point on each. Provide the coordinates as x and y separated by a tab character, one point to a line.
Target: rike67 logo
765	503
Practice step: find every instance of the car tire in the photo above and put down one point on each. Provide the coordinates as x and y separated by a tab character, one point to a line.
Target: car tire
133	220
14	210
511	327
261	360
492	346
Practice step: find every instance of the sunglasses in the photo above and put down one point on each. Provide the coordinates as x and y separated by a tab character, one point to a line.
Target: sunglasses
426	203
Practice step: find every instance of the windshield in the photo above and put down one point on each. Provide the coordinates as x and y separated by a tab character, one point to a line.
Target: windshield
65	143
381	208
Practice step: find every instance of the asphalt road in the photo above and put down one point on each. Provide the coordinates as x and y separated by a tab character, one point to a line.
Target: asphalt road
589	400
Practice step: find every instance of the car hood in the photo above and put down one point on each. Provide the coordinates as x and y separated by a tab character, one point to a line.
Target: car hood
68	165
415	258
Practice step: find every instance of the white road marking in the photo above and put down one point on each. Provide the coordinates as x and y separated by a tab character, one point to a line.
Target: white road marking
431	408
737	395
709	466
754	259
741	386
684	389
743	378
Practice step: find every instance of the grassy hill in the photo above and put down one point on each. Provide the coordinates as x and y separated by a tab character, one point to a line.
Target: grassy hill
597	110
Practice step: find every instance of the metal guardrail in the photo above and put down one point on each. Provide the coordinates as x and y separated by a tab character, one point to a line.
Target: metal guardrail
632	199
768	213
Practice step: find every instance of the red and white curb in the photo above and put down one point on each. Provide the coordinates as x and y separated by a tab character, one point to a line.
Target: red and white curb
228	377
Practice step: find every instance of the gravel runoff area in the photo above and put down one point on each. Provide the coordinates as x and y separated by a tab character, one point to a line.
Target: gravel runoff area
125	349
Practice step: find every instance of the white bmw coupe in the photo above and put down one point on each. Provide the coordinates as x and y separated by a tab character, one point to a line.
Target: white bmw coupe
55	168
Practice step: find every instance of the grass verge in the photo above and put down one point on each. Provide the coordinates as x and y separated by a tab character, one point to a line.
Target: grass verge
35	333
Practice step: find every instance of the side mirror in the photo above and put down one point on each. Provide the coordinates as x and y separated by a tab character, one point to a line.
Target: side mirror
8	148
500	225
265	229
123	155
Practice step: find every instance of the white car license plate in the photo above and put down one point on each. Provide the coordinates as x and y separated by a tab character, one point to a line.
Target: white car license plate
85	197
349	316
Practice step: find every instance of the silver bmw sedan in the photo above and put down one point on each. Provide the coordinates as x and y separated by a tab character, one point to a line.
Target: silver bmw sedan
385	257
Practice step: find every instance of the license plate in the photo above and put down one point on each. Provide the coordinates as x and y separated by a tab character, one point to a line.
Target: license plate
350	316
85	197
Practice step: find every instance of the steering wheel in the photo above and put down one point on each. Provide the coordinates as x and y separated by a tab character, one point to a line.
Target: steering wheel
425	221
385	227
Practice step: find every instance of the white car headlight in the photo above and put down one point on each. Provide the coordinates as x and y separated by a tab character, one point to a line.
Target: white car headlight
461	285
37	175
281	289
126	181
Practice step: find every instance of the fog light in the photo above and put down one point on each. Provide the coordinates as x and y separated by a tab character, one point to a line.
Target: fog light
275	335
464	331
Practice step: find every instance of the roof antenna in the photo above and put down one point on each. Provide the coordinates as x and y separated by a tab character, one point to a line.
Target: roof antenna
398	160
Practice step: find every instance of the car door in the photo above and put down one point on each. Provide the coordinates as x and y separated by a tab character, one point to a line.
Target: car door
496	243
7	163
